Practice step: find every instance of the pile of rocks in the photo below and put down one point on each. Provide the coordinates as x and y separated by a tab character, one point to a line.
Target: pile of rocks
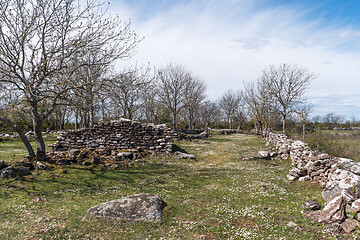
339	178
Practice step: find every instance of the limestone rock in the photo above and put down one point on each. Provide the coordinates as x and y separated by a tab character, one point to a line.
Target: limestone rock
147	207
182	155
291	225
333	228
264	154
312	205
356	206
331	192
334	211
41	166
349	225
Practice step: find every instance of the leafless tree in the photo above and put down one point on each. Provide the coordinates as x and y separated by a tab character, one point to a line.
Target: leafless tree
129	89
303	112
332	119
286	84
38	41
194	94
210	113
230	104
258	104
171	86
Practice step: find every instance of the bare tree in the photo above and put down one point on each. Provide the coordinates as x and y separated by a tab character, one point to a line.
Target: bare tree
171	86
287	85
258	104
230	104
194	94
331	119
303	113
129	89
38	43
209	113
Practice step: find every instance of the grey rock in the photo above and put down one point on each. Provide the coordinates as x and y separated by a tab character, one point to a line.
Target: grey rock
8	172
146	207
349	225
291	225
334	211
41	166
291	177
182	155
297	172
264	154
312	205
333	228
331	192
356	206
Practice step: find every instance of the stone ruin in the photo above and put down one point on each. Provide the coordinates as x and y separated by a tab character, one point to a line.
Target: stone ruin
339	178
113	138
116	144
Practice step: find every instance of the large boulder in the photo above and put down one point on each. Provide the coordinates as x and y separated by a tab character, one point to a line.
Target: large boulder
146	207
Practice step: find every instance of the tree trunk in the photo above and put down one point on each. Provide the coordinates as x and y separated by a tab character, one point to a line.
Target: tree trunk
23	137
304	131
40	145
174	121
37	125
284	124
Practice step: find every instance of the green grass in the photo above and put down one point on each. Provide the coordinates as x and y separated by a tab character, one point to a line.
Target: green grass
339	143
14	150
216	196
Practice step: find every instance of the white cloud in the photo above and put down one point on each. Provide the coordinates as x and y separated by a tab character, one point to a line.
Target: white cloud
227	42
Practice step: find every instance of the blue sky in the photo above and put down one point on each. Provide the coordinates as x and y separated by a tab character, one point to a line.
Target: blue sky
228	42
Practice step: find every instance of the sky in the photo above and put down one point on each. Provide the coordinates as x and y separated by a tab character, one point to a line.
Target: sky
229	42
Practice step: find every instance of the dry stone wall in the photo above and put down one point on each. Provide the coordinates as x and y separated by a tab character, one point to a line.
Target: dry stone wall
117	135
339	178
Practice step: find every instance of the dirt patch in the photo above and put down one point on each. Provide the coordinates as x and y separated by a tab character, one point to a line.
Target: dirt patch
245	223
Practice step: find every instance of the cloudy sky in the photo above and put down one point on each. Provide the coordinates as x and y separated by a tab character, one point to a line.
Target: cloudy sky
228	42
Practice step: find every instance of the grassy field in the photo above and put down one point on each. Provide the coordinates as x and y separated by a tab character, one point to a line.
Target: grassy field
216	196
339	143
14	150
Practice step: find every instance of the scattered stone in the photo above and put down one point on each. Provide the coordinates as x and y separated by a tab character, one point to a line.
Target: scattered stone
8	172
147	207
264	154
291	225
334	211
333	228
312	215
349	225
41	166
312	205
182	155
